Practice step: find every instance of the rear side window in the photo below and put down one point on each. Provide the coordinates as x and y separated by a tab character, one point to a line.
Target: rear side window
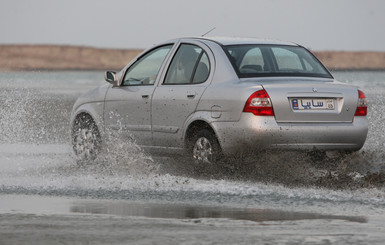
202	70
190	64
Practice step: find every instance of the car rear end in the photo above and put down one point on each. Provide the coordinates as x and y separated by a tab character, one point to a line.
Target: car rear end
294	116
290	101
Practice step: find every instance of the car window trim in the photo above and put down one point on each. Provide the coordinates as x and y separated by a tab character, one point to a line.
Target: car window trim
196	67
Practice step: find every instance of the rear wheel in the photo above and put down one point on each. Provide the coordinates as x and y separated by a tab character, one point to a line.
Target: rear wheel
205	148
86	139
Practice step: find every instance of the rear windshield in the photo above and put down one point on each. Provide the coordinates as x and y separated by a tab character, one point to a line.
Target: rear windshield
274	60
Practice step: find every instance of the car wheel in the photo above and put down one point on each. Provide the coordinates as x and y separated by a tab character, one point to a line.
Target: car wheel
205	147
86	139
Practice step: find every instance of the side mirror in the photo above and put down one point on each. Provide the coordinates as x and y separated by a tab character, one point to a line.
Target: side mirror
110	76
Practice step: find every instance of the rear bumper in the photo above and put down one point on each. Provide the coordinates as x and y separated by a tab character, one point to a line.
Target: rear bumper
264	133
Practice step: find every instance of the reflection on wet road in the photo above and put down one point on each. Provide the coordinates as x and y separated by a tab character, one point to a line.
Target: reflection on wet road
179	211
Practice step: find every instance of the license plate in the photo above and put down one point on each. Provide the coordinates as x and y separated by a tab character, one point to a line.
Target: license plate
312	104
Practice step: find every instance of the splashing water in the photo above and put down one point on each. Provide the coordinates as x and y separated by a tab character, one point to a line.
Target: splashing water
35	157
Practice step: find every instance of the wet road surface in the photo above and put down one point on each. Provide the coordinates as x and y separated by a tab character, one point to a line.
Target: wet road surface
129	196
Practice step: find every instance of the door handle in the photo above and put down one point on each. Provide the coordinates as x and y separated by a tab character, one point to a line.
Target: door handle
145	96
191	96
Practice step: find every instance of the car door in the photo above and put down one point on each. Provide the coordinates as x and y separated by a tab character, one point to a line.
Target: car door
177	97
128	106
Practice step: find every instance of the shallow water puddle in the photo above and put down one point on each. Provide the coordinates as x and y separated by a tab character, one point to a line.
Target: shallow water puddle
60	205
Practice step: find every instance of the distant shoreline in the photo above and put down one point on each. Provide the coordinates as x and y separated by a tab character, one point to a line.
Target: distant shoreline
75	58
118	69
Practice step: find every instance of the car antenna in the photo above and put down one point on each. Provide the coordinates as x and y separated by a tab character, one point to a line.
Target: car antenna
208	32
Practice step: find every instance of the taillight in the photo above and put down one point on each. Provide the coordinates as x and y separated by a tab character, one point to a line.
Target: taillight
362	106
259	104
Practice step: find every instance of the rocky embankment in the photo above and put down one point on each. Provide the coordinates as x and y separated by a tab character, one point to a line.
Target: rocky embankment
56	57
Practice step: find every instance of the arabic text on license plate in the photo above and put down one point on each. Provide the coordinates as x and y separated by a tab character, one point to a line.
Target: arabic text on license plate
312	104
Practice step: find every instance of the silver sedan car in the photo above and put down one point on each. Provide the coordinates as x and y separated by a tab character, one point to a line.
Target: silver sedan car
217	97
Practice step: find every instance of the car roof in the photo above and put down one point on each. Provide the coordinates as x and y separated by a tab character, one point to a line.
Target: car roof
242	40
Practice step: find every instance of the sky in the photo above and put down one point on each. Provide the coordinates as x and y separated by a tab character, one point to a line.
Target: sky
347	25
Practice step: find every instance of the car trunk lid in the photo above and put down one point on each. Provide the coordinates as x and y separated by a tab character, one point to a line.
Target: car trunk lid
308	102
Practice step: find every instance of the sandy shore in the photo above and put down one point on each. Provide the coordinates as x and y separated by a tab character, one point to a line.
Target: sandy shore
56	57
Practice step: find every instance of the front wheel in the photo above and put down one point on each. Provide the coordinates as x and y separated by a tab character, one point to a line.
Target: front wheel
85	139
205	147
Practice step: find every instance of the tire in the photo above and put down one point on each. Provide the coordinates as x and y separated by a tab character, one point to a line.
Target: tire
205	148
86	140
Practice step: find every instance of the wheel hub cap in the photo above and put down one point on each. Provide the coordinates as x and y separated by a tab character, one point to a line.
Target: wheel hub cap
203	150
85	143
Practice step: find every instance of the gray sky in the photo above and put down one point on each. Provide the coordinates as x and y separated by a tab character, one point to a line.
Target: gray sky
316	24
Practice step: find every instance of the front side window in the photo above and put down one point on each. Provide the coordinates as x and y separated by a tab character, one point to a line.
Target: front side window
189	65
145	70
274	60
